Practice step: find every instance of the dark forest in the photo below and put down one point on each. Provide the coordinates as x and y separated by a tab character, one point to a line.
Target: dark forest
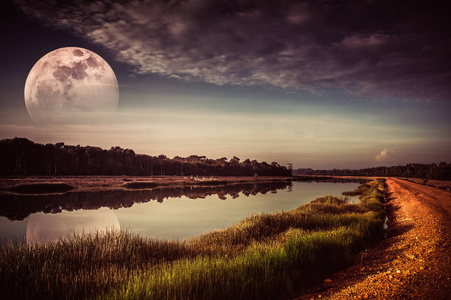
441	171
20	156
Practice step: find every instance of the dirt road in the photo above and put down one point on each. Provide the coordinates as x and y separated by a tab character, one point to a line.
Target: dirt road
413	262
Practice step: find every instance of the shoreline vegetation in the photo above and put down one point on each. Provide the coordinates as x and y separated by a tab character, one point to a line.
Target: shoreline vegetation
82	183
40	188
265	256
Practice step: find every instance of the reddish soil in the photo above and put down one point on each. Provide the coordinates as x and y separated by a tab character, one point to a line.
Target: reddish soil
412	262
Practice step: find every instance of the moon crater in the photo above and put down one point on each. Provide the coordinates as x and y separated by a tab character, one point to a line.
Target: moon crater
70	85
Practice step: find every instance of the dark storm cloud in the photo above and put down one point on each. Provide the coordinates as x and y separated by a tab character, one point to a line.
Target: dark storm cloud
366	48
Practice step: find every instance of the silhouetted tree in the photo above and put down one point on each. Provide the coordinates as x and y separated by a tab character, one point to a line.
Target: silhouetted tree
20	156
441	171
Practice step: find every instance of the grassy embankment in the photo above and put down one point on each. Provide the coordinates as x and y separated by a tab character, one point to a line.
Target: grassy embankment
265	256
40	188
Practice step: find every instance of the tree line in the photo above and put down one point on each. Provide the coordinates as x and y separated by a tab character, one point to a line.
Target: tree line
441	171
20	156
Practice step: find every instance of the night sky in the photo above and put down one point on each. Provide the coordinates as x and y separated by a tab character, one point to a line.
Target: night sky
320	84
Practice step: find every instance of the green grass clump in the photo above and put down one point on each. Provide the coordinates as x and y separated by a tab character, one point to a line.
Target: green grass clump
362	189
260	272
265	256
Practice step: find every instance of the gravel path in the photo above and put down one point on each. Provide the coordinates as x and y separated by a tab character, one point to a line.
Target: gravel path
412	262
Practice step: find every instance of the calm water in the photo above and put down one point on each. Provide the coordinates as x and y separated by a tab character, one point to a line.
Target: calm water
174	213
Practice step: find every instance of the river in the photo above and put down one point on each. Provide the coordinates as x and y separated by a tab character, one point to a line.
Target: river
164	213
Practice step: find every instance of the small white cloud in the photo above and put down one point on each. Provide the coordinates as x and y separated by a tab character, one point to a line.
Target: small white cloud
384	155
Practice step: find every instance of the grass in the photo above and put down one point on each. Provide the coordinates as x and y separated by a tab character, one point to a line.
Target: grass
41	188
140	185
152	184
363	188
265	256
212	182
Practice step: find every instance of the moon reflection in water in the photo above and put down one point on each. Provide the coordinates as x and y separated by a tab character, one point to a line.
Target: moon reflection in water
43	228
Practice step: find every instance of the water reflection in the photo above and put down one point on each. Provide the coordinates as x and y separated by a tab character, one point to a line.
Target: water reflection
42	218
51	227
18	207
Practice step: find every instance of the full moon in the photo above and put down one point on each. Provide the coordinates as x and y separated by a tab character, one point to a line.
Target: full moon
71	86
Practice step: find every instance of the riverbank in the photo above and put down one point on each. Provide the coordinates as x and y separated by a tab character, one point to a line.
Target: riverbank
59	184
108	183
266	256
412	262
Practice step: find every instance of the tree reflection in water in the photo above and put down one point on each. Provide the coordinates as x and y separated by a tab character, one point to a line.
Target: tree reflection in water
18	207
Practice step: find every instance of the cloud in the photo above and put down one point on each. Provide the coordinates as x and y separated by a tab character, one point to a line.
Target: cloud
384	156
365	48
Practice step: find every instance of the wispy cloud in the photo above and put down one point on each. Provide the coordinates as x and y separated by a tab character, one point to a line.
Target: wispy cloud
366	48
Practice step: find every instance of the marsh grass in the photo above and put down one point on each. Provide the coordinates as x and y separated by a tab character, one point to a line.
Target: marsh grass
265	256
41	188
140	184
362	189
212	182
